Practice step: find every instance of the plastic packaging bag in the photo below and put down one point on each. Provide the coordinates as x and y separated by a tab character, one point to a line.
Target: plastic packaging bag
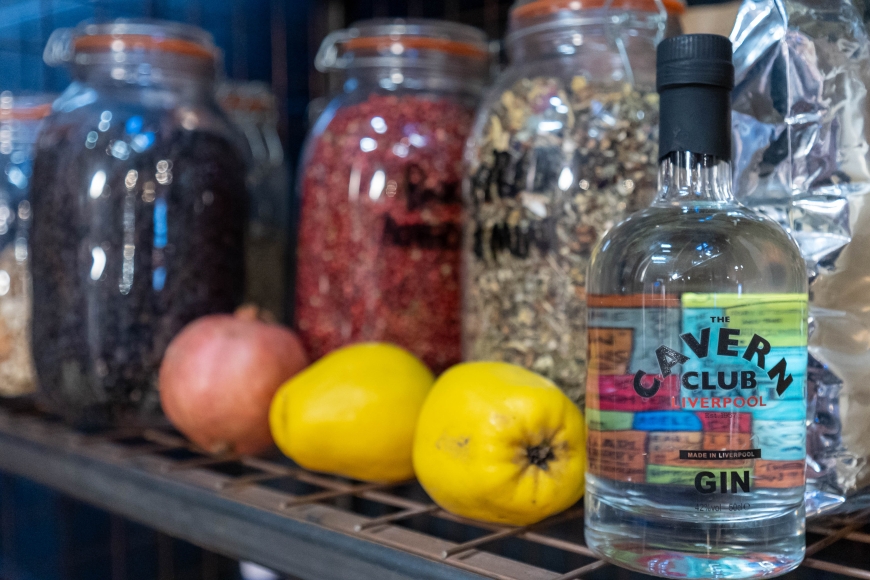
801	157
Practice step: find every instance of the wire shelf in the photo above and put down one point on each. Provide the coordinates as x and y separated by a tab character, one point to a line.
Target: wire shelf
157	465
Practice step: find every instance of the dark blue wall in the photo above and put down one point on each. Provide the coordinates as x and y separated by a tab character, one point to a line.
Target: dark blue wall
248	31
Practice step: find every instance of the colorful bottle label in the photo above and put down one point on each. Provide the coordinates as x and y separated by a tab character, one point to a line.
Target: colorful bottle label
704	391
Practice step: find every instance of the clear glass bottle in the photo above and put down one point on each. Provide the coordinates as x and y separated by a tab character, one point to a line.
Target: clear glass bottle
139	212
562	150
381	210
697	346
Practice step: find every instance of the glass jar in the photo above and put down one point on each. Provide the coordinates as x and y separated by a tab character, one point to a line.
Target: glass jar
252	107
380	227
139	213
564	147
20	119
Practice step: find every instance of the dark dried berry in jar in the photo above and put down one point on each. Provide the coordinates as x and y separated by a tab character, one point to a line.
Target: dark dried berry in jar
136	232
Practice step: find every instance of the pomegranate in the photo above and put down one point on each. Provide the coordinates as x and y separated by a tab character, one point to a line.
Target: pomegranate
219	375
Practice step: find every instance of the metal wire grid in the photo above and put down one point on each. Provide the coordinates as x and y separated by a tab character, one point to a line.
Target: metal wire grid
380	512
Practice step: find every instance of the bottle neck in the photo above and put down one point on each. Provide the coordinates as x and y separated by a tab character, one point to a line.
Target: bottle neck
694	178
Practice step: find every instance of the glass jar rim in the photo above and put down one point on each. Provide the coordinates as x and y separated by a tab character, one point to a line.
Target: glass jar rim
533	9
386	42
129	37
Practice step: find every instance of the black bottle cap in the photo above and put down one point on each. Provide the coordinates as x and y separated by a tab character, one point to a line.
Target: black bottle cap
695	59
694	76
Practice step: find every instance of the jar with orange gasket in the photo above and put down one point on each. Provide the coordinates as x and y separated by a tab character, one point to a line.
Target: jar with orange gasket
20	118
139	211
564	147
254	109
381	209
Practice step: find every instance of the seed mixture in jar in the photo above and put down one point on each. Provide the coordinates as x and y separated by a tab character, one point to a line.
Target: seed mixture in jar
557	164
380	230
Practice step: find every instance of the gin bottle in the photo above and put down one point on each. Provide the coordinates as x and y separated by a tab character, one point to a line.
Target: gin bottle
696	396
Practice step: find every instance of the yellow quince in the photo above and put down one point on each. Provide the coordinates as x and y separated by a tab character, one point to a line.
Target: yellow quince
353	412
499	443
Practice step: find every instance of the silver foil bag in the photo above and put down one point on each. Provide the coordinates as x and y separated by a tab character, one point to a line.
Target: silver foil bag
801	156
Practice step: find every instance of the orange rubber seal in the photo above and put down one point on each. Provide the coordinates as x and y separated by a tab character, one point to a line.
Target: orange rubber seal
547	7
34	113
453	47
141	42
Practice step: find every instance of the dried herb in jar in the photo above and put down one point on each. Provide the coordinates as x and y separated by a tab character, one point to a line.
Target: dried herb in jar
558	163
380	230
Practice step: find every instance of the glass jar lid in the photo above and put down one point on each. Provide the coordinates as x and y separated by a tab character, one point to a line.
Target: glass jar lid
130	42
397	43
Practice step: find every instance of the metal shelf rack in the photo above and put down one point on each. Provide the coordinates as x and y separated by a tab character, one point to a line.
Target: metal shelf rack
313	526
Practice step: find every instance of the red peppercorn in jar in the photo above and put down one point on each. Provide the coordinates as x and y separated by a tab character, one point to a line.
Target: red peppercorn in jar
380	229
